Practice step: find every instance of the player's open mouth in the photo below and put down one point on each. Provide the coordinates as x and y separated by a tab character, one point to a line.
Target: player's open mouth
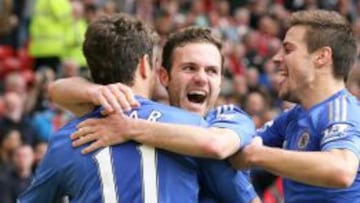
197	97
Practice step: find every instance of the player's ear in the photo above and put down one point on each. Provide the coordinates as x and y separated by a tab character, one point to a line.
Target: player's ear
163	76
323	56
145	66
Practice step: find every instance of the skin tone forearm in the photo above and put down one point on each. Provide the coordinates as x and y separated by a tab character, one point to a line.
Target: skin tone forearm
80	96
76	100
215	143
334	168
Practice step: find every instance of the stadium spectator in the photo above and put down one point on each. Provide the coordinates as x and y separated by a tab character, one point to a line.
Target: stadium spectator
15	117
37	100
39	152
21	175
10	140
10	19
255	103
15	82
6	18
70	68
50	22
74	36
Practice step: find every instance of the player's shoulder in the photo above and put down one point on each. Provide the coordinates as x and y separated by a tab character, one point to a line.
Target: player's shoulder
71	125
170	113
227	112
228	108
341	107
149	104
341	117
60	140
59	148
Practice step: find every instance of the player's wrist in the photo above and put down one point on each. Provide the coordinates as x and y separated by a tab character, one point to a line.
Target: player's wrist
135	129
256	155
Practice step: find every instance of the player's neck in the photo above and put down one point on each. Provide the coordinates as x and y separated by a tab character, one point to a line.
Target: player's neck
320	91
141	90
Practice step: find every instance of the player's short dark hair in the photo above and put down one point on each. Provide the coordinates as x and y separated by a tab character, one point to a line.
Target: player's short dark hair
329	28
114	45
185	36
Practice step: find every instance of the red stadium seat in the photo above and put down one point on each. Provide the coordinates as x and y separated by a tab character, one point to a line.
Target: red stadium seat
6	52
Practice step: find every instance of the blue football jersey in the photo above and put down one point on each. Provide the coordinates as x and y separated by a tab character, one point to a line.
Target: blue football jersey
231	117
130	172
332	124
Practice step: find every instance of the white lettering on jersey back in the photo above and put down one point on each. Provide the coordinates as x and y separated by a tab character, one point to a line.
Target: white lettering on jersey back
134	115
153	116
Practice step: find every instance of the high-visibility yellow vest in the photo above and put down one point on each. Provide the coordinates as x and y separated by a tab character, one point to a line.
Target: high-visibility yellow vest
75	37
48	26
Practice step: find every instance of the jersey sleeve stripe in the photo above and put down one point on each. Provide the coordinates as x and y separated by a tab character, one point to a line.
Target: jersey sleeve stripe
337	110
331	111
344	108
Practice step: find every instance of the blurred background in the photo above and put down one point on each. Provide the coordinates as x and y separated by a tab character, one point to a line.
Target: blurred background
41	40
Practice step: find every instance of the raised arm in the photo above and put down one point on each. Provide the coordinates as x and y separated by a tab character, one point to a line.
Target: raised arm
81	96
76	100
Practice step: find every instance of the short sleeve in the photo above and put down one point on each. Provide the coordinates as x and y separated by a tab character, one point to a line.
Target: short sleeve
341	136
233	118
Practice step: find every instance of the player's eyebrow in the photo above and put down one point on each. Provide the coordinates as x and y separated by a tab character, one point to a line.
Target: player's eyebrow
288	45
189	63
193	64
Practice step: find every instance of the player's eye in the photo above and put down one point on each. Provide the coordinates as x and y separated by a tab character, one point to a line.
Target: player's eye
213	71
188	68
288	49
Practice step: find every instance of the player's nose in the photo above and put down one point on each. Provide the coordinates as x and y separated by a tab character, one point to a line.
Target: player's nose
200	77
278	57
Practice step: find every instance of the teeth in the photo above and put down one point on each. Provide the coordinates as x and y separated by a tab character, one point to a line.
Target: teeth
197	92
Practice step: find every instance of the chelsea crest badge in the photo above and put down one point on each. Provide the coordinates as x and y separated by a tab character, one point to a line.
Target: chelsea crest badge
303	140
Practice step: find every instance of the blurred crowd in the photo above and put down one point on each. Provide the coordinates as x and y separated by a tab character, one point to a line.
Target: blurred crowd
41	40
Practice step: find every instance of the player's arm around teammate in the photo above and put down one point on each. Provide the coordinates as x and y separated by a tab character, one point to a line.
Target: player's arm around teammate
213	142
